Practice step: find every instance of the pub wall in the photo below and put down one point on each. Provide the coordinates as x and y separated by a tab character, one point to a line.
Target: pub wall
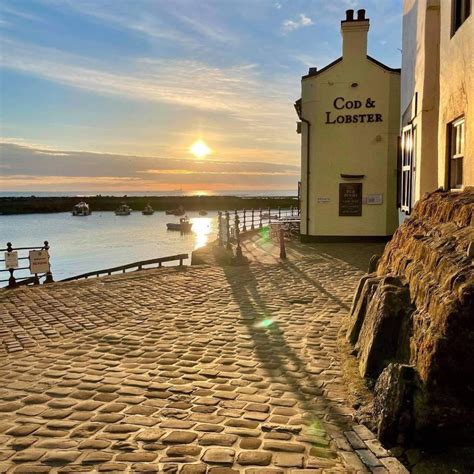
352	148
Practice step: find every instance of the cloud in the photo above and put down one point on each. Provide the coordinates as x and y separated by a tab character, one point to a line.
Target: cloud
260	103
301	22
26	167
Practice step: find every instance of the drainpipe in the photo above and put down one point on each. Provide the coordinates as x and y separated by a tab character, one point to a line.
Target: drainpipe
308	135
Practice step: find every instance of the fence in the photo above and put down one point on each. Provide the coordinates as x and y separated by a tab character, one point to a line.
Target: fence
232	224
38	265
136	265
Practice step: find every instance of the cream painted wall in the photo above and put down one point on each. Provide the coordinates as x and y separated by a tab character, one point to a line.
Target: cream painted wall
456	90
351	148
420	87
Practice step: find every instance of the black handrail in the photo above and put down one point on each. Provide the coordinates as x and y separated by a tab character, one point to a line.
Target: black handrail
139	265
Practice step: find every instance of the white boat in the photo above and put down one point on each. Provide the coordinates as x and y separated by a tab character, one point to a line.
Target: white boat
123	210
184	225
81	209
148	210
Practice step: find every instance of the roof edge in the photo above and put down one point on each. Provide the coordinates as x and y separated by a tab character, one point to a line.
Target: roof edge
370	58
317	73
384	66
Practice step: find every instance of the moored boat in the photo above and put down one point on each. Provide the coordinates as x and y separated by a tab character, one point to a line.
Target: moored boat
123	210
184	225
176	212
81	209
202	212
148	210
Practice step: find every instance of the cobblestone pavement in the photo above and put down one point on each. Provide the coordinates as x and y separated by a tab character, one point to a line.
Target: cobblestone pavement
192	370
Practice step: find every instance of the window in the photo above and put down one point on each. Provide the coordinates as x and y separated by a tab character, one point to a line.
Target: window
408	166
456	153
460	10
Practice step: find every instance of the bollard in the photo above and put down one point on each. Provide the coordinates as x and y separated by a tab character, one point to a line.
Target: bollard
282	243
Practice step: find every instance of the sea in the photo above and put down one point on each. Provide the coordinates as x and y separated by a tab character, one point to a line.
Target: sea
102	239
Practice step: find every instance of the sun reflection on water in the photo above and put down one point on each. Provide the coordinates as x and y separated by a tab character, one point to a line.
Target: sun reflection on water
201	229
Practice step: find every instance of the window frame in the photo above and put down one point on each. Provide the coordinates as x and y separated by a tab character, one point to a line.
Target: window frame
408	168
460	12
456	143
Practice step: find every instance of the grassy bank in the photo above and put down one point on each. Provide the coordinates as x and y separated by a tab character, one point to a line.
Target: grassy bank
29	205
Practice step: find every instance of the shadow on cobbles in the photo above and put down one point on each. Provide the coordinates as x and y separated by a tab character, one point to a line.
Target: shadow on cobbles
270	344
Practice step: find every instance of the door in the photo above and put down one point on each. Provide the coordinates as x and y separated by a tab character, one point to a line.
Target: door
408	168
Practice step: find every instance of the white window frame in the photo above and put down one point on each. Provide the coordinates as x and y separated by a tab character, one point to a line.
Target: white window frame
408	168
457	138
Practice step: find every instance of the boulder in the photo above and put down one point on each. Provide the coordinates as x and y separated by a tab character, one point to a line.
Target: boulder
393	408
381	333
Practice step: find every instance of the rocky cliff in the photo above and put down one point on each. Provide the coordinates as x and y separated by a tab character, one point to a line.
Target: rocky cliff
412	321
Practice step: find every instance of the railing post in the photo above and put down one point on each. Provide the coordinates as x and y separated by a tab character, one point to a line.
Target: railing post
227	230
279	212
238	250
261	217
253	221
219	226
12	279
244	228
49	275
269	215
282	243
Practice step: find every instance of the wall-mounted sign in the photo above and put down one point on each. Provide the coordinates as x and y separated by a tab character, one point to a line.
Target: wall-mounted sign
350	117
350	199
323	200
39	261
374	199
11	259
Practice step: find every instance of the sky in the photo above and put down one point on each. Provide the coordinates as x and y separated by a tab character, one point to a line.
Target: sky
109	95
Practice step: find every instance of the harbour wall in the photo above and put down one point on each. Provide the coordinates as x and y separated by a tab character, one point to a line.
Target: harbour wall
32	204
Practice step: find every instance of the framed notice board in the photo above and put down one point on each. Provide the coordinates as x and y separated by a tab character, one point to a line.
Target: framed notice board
350	199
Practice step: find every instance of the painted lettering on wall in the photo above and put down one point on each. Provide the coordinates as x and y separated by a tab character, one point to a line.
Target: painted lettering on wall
349	106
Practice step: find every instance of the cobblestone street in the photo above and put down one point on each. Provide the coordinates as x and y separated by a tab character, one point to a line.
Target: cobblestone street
193	370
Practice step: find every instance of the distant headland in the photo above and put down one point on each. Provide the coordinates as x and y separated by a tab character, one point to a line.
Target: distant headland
44	204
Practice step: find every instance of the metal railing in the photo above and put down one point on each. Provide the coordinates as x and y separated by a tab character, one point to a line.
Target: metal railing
250	219
13	257
137	265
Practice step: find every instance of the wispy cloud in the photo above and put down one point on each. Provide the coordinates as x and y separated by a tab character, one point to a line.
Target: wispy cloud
242	92
24	166
301	22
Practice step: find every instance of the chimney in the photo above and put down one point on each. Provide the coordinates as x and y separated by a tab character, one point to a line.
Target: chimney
354	36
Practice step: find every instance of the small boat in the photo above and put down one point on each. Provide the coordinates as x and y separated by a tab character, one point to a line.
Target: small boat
176	212
148	211
123	210
184	226
202	212
81	209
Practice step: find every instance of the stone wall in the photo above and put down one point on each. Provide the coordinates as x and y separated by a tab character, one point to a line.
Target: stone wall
412	321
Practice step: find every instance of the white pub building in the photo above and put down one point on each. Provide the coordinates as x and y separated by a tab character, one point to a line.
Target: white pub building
349	115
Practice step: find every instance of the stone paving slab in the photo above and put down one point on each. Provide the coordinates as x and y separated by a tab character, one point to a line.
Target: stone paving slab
195	370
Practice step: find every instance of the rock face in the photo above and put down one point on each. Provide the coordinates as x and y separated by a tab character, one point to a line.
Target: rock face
417	308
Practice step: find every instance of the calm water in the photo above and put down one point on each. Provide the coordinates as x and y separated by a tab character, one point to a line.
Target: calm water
101	240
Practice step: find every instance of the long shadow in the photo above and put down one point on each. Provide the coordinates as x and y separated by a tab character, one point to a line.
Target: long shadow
270	345
301	274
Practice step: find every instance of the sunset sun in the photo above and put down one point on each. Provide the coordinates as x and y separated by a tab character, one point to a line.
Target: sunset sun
199	149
